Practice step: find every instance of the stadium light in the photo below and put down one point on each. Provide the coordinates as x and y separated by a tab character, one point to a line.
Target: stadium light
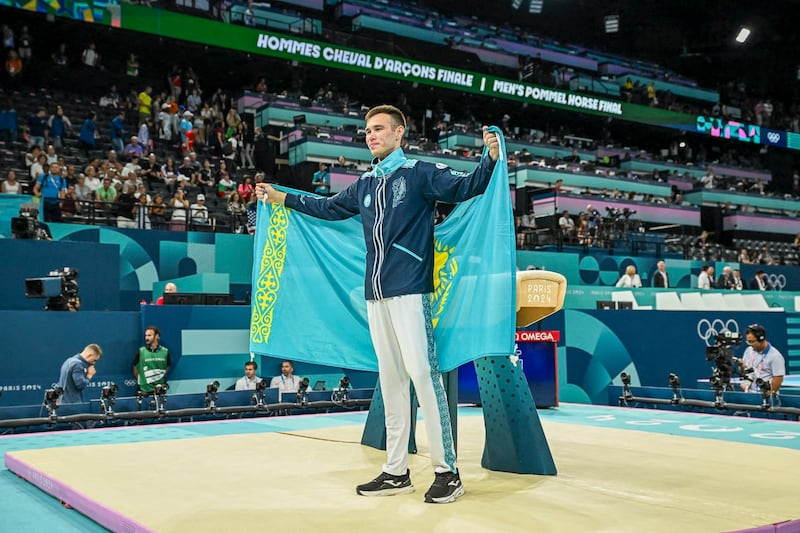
743	35
611	23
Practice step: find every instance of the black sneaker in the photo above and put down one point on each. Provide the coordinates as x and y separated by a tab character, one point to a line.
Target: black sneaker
445	489
387	485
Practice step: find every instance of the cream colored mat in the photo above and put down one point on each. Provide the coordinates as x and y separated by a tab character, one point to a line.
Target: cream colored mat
609	481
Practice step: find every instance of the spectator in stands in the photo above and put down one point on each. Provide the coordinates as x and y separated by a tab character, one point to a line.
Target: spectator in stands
246	188
82	191
567	226
9	123
169	174
237	209
660	277
630	279
186	172
708	180
703	242
725	280
230	151
37	129
59	125
151	362
199	211
705	280
144	135
51	188
133	148
766	362
249	15
205	178
87	138
145	104
59	57
118	131
13	66
179	206
744	256
247	137
90	57
738	284
51	155
158	212
77	372
760	282
11	185
321	180
652	98
765	257
225	185
186	130
126	207
132	66
92	181
286	381
585	234
105	194
69	204
250	380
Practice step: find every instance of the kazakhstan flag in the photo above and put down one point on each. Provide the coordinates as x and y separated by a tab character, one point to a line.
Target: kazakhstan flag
308	283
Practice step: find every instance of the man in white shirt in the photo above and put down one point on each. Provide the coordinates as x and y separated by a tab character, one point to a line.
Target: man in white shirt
765	360
250	380
567	225
287	381
705	280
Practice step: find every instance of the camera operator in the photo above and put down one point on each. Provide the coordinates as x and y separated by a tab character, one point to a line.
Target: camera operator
765	360
77	371
27	225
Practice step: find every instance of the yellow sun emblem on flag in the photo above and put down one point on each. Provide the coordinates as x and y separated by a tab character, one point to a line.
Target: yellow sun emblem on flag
445	269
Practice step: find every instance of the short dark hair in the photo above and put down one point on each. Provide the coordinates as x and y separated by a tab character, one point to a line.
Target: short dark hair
398	118
251	363
154	328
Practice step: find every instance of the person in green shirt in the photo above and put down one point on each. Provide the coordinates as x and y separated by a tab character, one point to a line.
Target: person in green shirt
151	364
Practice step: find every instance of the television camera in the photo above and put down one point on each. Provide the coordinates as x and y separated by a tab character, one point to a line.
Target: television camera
722	355
60	287
27	225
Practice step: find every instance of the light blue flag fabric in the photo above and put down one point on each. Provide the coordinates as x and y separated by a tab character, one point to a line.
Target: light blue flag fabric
308	283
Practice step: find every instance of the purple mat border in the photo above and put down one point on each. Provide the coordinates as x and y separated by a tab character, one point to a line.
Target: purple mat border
791	526
98	512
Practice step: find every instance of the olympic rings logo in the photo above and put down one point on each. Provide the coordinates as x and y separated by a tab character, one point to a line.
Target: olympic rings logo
130	382
777	281
773	137
708	330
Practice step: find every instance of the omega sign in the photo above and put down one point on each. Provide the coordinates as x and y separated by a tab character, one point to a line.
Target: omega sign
537	336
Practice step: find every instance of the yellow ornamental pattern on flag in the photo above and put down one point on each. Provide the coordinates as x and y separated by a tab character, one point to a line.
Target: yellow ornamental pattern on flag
265	293
445	270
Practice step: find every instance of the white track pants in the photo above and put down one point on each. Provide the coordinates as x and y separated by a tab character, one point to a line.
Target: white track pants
402	334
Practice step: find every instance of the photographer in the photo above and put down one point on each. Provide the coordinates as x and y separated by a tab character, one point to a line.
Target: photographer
762	359
77	371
